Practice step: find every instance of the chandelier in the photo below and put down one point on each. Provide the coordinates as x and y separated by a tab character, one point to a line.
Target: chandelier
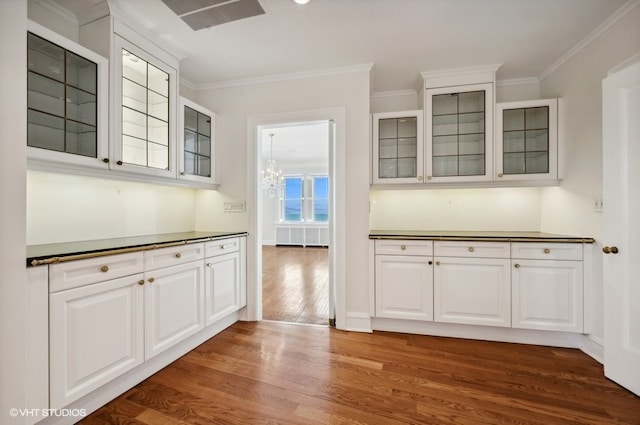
272	178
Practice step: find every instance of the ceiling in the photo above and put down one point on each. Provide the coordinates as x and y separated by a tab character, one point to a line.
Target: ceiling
400	37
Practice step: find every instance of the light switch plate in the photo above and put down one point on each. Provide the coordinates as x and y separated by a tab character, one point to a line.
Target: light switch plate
234	206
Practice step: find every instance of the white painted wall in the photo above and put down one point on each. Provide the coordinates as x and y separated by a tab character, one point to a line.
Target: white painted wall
13	123
62	208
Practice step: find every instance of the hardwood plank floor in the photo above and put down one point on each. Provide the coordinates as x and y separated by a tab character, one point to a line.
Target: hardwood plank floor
279	373
295	284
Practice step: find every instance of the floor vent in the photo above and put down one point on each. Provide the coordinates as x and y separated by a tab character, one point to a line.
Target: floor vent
200	14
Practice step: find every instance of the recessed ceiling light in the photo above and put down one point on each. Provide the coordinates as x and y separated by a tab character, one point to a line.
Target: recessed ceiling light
301	1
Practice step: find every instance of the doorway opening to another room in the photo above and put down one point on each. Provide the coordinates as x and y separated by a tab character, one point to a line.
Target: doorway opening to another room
295	221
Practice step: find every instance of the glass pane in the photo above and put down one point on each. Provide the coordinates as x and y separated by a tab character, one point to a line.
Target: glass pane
444	104
293	187
513	141
471	144
407	127
407	167
513	163
81	139
81	106
190	141
445	145
134	124
82	73
445	125
293	210
158	106
204	145
537	140
45	57
134	151
537	163
512	119
471	102
190	119
158	131
204	166
537	117
134	68
45	131
321	210
158	81
190	166
204	124
407	148
471	165
321	187
45	94
445	166
388	148
158	156
471	123
388	128
134	96
388	168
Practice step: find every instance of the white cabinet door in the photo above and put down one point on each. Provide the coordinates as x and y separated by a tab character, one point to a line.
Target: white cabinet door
547	295
404	287
222	286
196	147
621	153
474	291
95	336
172	305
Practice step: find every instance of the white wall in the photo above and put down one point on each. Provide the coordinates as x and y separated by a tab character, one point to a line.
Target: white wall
13	122
63	208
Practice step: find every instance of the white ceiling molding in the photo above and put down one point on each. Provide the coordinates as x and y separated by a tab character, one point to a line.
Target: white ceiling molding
285	77
593	35
632	60
188	84
59	10
93	13
518	82
393	93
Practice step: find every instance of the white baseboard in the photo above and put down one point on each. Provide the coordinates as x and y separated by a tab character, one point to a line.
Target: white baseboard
358	322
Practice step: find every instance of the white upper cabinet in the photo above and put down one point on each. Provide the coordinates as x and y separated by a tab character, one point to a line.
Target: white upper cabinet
196	147
398	147
67	102
527	140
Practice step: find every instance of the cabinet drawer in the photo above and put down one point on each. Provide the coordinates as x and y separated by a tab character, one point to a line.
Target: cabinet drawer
173	255
84	272
221	246
547	251
402	247
472	249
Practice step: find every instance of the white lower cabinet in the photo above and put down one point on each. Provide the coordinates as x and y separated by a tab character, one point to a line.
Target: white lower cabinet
472	291
173	300
96	334
222	286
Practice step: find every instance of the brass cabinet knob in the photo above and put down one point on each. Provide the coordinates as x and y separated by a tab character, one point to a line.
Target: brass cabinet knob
420	178
141	282
547	251
610	249
178	255
471	249
517	266
104	269
105	160
119	162
403	247
429	177
151	280
430	262
500	175
437	263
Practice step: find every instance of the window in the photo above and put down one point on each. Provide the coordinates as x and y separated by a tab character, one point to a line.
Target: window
305	198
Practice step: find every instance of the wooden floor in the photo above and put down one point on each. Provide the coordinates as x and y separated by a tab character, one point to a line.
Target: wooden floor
278	373
295	284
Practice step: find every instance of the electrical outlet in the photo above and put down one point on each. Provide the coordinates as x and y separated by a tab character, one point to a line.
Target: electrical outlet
598	204
234	206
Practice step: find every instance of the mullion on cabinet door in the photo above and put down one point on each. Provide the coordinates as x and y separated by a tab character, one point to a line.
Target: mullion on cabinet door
197	144
397	147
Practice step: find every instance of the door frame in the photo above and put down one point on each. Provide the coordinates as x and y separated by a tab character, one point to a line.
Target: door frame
337	221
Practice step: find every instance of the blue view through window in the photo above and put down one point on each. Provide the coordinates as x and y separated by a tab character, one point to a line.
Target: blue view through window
293	198
321	198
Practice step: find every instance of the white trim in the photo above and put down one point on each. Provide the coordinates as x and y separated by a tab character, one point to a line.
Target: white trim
393	93
518	82
61	11
358	322
285	77
631	61
188	84
623	11
94	13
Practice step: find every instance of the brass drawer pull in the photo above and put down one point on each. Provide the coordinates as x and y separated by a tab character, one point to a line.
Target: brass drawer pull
471	249
151	280
104	269
437	263
610	249
547	251
403	247
141	282
178	255
517	266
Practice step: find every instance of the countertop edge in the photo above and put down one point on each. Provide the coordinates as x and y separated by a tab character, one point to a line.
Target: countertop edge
39	260
558	239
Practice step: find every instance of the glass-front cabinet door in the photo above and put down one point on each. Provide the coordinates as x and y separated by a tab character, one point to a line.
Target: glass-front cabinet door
527	140
66	101
459	123
144	109
398	147
196	150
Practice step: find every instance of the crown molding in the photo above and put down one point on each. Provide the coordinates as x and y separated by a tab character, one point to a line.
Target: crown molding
285	77
623	11
63	12
188	84
518	82
94	13
631	61
393	93
460	71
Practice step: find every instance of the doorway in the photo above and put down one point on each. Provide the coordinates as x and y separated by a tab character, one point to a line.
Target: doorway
294	221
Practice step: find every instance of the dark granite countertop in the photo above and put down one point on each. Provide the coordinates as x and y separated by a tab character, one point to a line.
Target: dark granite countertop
447	235
53	253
